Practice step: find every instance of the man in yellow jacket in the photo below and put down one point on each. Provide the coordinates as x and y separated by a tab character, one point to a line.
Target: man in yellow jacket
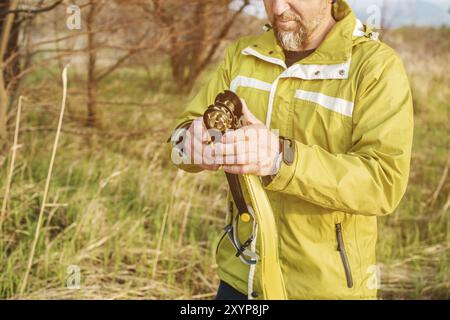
342	98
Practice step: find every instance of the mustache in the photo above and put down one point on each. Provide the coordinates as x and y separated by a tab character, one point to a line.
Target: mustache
288	15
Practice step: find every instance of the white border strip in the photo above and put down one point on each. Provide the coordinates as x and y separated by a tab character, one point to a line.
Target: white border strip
241	81
273	89
250	51
338	105
319	71
359	29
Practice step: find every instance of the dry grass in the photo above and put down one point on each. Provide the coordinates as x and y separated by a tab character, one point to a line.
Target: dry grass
139	229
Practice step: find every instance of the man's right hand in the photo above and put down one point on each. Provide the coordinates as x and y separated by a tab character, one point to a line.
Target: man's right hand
196	146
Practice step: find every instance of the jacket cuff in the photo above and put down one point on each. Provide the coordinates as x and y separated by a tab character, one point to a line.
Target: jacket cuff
287	171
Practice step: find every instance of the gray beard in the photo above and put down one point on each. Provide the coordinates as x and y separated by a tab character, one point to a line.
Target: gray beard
295	40
292	40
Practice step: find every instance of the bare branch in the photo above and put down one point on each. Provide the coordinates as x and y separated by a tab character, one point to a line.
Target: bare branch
34	11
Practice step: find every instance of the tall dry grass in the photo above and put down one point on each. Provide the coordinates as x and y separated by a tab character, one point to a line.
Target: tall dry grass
138	228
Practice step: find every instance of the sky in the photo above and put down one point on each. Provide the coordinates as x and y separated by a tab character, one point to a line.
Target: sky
400	12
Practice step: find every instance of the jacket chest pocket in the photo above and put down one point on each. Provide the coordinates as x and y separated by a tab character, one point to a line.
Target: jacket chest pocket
321	120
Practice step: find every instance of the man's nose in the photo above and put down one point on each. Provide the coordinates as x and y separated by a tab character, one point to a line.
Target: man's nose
279	6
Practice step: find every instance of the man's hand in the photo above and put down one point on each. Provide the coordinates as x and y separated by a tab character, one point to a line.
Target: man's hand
196	146
252	149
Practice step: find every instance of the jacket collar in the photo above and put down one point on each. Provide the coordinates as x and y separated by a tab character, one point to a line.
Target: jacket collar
335	49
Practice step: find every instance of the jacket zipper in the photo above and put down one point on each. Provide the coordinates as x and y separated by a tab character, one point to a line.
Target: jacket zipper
342	252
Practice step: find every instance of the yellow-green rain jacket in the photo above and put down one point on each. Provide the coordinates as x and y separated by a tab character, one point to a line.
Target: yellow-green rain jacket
348	107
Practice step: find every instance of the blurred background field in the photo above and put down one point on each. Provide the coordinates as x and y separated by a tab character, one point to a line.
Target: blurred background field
135	226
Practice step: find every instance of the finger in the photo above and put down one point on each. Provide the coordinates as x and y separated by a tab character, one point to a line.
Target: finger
191	154
201	153
227	149
201	156
214	167
195	139
235	148
194	143
194	147
234	136
200	141
241	169
237	153
241	159
198	130
206	154
247	133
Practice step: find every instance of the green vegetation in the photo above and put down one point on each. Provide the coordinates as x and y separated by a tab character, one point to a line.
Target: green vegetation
115	192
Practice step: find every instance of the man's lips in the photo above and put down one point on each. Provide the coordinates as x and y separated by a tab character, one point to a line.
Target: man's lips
285	23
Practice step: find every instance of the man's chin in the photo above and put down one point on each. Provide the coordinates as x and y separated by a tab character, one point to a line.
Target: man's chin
290	41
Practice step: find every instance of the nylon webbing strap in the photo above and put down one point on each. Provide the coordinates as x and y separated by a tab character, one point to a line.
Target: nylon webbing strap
236	192
272	282
232	228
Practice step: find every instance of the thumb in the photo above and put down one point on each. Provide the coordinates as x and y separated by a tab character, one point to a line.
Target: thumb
248	116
